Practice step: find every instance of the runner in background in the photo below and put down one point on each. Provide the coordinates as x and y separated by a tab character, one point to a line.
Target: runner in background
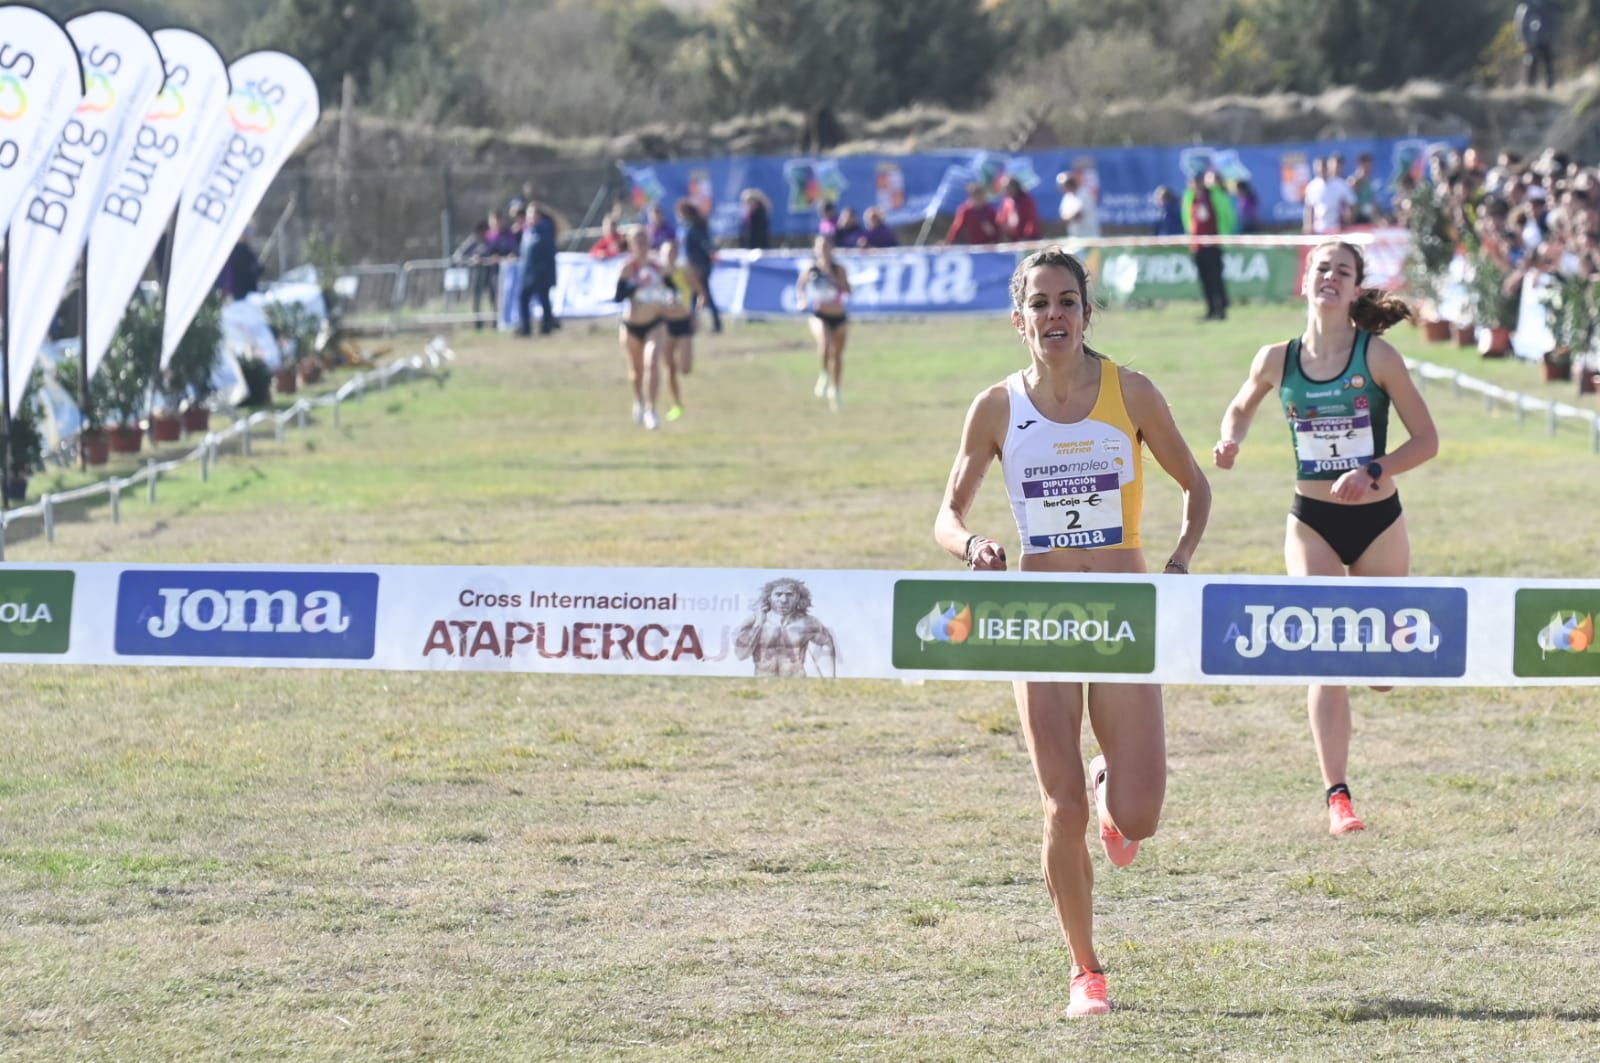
643	289
681	315
1335	383
822	289
1072	400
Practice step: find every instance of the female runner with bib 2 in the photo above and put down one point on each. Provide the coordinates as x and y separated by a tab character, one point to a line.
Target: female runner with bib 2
1069	431
1336	383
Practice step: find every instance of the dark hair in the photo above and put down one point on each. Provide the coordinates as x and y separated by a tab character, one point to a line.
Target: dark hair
1373	310
1054	255
802	593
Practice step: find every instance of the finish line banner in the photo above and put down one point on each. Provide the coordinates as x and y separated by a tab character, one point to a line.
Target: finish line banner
813	624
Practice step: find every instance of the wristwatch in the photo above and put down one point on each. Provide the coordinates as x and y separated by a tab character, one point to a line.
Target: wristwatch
1375	471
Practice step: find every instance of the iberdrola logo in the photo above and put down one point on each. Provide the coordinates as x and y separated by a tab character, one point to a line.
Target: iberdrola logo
168	105
13	101
952	623
1567	633
98	95
249	110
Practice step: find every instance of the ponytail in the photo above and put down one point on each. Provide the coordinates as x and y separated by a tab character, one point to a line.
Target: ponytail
1374	310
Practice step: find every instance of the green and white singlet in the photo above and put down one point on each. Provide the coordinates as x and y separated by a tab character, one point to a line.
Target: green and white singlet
1336	425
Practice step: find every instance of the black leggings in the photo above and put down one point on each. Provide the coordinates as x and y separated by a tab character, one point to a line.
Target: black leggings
1348	529
710	301
547	318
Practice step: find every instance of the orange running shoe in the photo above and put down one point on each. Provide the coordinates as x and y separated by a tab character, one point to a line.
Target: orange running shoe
1119	850
1088	996
1342	819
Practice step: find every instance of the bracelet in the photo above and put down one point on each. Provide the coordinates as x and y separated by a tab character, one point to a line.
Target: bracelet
966	555
1179	565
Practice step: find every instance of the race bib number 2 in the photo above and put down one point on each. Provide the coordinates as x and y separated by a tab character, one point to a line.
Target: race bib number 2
1333	444
1075	512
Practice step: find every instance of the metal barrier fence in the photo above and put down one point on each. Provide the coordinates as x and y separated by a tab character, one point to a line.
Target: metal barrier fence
419	294
430	364
369	294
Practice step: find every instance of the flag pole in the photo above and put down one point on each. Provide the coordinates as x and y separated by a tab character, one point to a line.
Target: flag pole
83	347
5	380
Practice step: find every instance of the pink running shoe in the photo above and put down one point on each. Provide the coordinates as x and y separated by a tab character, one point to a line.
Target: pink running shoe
1088	995
1119	850
1342	819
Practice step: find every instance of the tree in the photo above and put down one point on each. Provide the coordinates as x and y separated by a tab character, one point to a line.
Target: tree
1379	44
423	84
336	37
920	51
871	58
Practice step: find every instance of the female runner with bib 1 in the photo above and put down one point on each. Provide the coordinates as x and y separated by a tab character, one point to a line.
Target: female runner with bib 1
1069	432
1336	383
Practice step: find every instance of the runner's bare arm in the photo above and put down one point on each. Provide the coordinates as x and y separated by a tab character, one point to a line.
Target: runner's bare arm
1153	418
981	439
1266	370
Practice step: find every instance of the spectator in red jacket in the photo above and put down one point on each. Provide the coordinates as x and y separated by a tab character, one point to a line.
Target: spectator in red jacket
975	219
610	243
1018	217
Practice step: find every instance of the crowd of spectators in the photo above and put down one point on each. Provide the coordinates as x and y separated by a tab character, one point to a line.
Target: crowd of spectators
1540	214
1523	218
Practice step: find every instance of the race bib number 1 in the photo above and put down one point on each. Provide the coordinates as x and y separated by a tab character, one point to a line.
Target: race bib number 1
1333	444
1074	513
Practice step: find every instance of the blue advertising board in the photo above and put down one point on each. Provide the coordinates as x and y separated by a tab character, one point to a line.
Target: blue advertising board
1355	629
246	614
912	188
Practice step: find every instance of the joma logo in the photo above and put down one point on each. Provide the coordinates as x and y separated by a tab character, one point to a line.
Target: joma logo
1338	629
247	614
257	611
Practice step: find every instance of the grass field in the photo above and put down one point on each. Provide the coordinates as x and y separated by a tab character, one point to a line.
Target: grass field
360	866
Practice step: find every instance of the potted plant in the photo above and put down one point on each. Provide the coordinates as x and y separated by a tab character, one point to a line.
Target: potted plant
296	329
1493	307
188	374
324	256
1570	313
25	446
129	371
1428	259
94	442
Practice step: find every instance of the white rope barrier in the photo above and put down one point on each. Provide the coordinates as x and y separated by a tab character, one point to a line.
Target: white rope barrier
1519	402
432	363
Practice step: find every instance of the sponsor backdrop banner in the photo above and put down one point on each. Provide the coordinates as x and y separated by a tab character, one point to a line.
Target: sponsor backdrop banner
122	74
932	280
139	198
906	281
272	105
912	188
1168	274
819	624
41	83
